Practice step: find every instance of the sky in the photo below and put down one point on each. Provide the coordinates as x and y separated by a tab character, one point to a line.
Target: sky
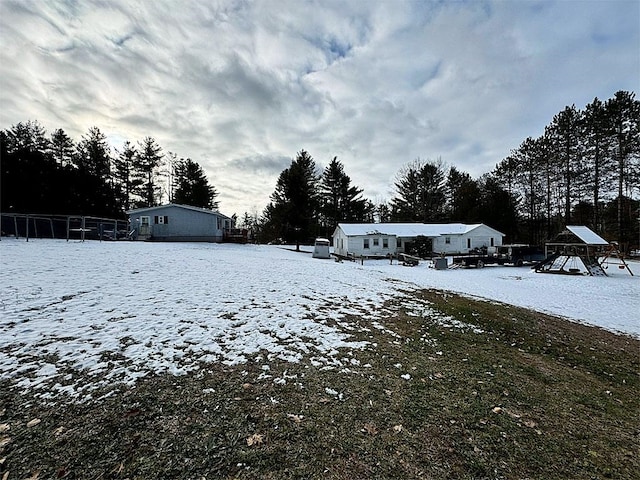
241	87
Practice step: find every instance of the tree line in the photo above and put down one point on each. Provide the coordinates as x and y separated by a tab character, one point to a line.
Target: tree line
52	174
307	203
584	169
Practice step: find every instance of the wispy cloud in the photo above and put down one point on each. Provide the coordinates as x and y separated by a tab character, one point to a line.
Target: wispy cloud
240	87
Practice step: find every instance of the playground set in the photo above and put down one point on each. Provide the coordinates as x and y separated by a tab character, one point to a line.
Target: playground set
578	250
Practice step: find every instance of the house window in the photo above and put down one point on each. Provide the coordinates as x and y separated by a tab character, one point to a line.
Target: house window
447	240
366	243
468	243
492	241
160	219
385	243
375	242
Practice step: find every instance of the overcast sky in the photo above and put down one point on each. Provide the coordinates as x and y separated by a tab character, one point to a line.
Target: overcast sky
240	87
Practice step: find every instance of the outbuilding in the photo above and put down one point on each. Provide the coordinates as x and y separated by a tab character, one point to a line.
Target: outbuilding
178	223
383	239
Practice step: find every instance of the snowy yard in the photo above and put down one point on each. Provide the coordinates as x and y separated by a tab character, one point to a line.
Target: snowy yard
119	310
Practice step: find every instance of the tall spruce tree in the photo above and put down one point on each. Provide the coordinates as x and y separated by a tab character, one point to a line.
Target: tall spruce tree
339	200
292	212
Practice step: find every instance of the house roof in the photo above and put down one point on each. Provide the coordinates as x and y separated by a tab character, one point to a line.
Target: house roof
185	207
587	235
409	229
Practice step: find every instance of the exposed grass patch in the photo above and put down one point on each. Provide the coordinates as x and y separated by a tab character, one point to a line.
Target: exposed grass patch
531	396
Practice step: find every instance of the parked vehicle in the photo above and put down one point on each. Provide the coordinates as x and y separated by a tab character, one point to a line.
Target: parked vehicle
321	248
478	257
519	255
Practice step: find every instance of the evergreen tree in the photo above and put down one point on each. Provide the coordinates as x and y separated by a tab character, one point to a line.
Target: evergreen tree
147	163
463	196
61	148
497	207
564	134
623	111
94	192
382	212
28	172
339	200
27	136
192	186
420	193
92	155
292	212
597	148
124	176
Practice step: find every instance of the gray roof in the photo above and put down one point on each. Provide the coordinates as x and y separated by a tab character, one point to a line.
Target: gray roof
186	207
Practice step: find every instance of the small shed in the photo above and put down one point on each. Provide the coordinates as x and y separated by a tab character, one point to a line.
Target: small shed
178	223
383	239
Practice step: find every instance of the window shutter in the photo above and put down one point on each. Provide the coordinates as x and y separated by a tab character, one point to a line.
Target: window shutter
155	219
166	219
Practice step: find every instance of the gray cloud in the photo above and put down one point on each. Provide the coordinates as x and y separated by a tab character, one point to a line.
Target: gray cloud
240	87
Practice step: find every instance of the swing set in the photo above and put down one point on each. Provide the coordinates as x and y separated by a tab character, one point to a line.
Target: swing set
580	251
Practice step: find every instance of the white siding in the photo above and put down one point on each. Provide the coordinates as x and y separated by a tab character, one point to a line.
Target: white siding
458	234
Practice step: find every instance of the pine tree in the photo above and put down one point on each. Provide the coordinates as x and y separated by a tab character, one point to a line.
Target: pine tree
192	186
123	174
147	163
94	187
564	134
463	196
598	145
292	212
339	200
623	111
93	155
61	148
420	193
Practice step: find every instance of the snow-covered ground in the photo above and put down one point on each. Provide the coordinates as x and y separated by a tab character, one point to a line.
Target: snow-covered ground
119	310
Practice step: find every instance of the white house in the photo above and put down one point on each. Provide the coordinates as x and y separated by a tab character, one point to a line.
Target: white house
381	239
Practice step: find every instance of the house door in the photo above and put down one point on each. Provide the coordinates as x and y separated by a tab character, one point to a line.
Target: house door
145	226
